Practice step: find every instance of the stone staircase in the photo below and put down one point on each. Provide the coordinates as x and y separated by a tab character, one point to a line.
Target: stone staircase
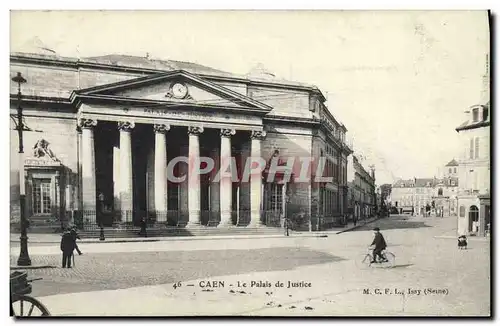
133	232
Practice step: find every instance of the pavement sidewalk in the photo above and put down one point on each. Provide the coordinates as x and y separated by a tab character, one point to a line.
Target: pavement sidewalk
56	238
319	292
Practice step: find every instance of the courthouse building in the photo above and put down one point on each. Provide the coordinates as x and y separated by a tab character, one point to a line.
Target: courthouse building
101	132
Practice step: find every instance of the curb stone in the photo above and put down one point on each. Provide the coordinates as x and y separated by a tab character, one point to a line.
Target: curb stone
31	267
359	225
186	239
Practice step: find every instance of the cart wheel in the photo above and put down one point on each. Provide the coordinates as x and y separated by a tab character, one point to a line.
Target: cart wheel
26	306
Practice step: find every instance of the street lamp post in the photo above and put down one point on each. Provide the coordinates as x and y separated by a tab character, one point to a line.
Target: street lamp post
24	258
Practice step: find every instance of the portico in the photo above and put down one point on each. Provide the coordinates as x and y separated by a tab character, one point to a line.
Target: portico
128	144
117	125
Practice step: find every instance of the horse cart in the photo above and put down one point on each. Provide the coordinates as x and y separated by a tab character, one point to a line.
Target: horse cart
21	304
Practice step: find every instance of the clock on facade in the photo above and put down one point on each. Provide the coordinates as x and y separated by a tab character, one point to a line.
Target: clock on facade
179	90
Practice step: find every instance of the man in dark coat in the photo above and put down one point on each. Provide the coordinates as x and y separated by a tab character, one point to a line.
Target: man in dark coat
380	245
143	230
67	247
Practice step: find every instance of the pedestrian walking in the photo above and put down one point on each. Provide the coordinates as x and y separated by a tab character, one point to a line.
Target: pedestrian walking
67	247
143	230
286	225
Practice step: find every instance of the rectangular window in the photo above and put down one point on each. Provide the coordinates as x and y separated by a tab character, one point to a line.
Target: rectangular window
277	198
321	200
41	196
476	155
475	115
471	148
454	170
485	114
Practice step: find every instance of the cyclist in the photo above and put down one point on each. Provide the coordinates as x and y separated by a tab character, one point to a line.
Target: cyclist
379	245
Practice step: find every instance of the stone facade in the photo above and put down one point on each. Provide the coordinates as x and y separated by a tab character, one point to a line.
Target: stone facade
426	196
474	165
114	124
362	189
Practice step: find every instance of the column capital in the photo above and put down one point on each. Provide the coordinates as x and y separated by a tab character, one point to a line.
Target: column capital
86	123
161	128
258	134
227	132
195	130
126	125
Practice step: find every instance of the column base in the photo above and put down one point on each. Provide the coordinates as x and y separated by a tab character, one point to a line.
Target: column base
257	224
225	224
225	220
194	219
193	225
255	220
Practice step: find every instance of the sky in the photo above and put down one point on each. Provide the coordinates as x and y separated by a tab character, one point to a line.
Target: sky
400	81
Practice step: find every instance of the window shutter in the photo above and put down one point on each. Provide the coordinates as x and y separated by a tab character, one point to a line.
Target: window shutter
477	148
471	148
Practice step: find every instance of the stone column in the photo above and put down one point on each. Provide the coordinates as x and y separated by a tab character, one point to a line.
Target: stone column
88	170
194	193
126	194
215	186
256	181
160	172
226	185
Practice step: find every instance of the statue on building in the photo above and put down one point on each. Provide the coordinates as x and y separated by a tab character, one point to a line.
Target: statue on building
42	150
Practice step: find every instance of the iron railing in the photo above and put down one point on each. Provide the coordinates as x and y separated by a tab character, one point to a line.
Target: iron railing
92	220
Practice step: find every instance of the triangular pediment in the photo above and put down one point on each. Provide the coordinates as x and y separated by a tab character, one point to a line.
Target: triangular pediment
178	87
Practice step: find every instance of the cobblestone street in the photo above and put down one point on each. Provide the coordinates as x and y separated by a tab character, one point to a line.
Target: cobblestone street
146	274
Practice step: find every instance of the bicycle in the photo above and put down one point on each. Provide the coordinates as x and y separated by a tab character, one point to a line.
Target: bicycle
389	257
19	290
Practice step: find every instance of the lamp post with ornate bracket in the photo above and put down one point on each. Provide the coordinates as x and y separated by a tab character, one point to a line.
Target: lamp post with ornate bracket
24	258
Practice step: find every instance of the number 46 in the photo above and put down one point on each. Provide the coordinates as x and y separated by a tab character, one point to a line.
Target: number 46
177	285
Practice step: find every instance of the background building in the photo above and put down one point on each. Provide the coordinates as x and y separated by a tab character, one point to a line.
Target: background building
474	166
413	196
362	189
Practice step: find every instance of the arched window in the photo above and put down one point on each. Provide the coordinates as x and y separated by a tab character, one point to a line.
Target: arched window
462	211
473	217
440	191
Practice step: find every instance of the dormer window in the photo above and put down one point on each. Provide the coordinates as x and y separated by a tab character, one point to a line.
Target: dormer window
485	114
475	115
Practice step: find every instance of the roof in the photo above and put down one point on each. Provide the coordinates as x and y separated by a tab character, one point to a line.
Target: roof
149	63
122	60
422	182
452	163
469	124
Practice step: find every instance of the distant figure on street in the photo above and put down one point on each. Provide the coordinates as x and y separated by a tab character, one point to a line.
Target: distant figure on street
286	226
354	220
462	242
143	231
67	247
